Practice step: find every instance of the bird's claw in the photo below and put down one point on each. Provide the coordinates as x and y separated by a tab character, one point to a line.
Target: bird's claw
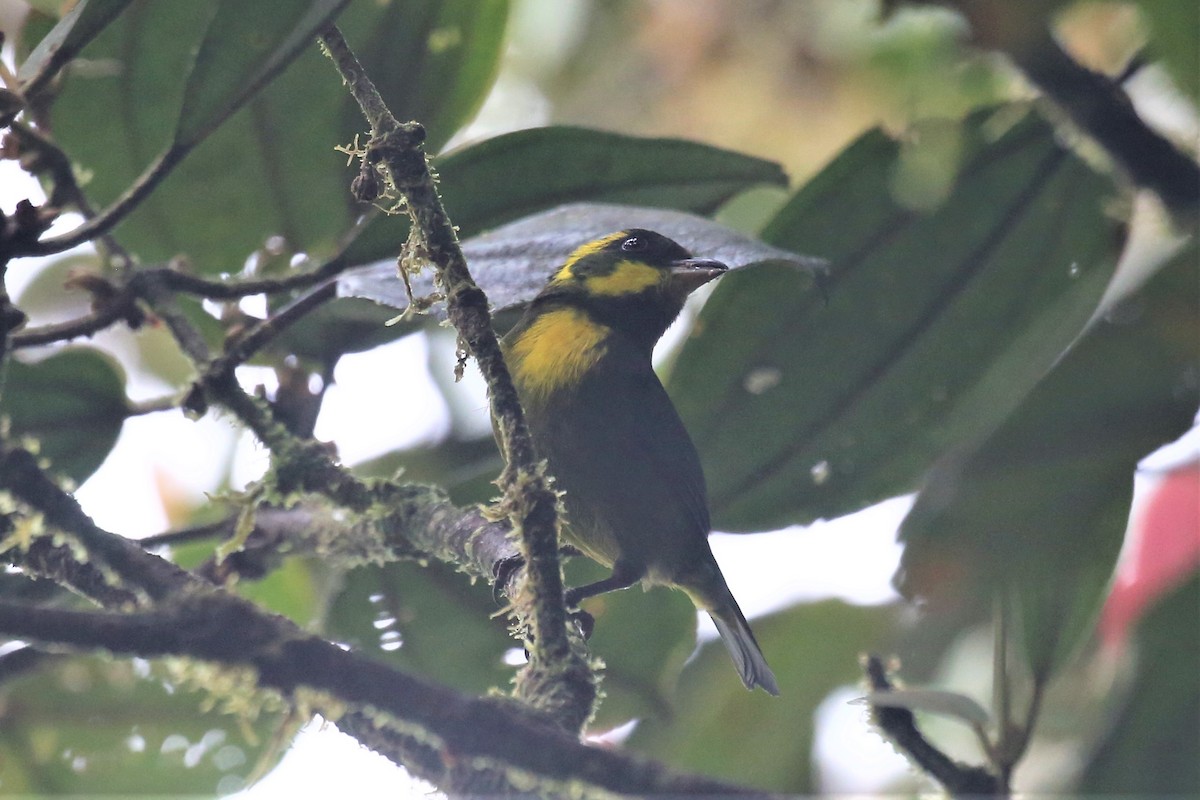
584	621
502	572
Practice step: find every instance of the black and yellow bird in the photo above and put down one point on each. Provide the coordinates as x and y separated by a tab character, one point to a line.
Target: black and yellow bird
632	485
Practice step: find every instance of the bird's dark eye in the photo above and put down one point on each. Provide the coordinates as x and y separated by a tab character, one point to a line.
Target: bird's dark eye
633	244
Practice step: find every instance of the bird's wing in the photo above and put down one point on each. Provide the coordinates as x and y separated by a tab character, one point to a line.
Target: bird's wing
634	487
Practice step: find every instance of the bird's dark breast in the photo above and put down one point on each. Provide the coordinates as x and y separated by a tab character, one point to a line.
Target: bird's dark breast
634	489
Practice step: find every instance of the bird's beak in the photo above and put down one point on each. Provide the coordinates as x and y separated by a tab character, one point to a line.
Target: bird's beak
689	274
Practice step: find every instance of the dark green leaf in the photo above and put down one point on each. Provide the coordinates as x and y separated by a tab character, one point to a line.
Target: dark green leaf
432	60
271	169
522	173
512	263
86	726
72	403
116	115
512	176
244	47
720	729
1149	748
1041	507
936	322
78	27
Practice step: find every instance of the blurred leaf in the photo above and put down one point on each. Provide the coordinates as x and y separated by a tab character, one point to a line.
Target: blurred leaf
83	726
292	589
271	169
920	64
721	729
513	262
465	468
48	299
346	325
79	26
244	47
934	327
73	403
1173	38
933	701
47	7
1149	748
116	115
529	171
434	61
429	620
1041	506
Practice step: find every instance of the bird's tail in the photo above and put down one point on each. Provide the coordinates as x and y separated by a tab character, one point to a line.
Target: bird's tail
740	642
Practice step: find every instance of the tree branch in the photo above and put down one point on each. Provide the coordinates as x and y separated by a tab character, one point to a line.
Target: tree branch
20	475
262	333
1100	107
119	301
900	727
222	628
110	217
558	676
1094	102
86	325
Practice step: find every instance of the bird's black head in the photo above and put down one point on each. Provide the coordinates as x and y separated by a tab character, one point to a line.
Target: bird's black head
633	280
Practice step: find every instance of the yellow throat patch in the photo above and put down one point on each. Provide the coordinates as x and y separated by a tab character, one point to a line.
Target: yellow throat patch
555	351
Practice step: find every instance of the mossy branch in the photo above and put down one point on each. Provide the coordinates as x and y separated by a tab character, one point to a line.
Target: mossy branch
440	734
558	678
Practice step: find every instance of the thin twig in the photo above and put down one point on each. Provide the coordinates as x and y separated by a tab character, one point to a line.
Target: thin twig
111	216
198	533
900	726
49	159
237	289
122	304
86	325
163	302
262	333
166	403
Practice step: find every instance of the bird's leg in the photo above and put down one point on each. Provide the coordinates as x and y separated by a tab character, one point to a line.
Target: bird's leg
622	578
